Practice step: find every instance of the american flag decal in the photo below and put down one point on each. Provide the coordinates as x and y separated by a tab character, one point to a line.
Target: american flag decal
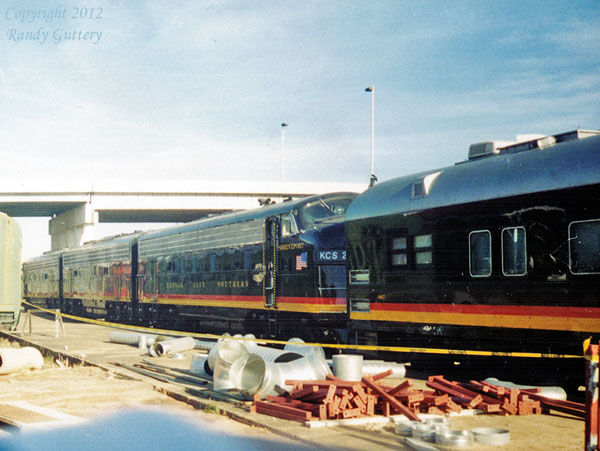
301	261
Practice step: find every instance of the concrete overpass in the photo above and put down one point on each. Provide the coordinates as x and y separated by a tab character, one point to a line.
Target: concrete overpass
75	207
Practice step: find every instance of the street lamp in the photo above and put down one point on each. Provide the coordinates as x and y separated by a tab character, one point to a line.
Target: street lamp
283	126
373	179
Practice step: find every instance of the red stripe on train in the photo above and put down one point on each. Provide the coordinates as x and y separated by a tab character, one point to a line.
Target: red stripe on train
569	312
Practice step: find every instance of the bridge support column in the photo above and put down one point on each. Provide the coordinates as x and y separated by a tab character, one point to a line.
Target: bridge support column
74	227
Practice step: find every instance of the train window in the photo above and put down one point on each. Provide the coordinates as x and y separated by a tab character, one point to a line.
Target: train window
399	244
332	280
423	254
422	241
423	187
480	253
584	247
418	189
359	276
514	251
174	265
423	258
399	259
322	209
213	262
398	251
286	226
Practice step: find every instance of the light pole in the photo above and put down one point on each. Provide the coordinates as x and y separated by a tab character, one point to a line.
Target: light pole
373	179
283	126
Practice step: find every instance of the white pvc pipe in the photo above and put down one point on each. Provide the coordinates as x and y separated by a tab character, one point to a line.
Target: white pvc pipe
15	359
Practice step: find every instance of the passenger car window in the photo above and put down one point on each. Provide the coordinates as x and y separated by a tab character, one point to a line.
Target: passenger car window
584	247
423	254
480	253
399	251
514	251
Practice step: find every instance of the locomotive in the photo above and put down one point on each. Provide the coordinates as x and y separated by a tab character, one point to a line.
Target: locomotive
500	252
277	271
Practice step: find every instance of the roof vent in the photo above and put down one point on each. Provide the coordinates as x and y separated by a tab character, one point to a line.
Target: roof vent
482	149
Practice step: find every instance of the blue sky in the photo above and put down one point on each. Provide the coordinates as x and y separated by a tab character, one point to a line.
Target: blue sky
198	90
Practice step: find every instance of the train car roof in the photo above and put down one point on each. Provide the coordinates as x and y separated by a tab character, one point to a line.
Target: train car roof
564	165
46	256
115	240
239	216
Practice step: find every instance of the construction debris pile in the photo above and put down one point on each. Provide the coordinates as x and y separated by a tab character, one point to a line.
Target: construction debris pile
296	383
334	398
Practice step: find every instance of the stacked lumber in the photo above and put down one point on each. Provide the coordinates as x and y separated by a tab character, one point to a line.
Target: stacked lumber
334	398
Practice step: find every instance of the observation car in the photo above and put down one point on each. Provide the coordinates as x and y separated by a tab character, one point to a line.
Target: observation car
10	271
501	252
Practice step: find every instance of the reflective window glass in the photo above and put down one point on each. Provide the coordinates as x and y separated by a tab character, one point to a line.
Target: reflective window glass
422	241
399	244
399	259
584	246
514	251
423	258
480	253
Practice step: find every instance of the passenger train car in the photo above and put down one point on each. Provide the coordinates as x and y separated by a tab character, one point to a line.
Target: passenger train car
99	278
501	252
10	271
274	271
42	280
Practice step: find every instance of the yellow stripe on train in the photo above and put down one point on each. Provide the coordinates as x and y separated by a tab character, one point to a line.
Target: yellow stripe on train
481	320
281	306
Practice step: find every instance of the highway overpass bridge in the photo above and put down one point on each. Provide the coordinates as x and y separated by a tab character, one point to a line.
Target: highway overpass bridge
75	207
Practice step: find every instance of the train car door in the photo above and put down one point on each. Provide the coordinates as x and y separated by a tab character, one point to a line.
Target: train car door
270	271
133	283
